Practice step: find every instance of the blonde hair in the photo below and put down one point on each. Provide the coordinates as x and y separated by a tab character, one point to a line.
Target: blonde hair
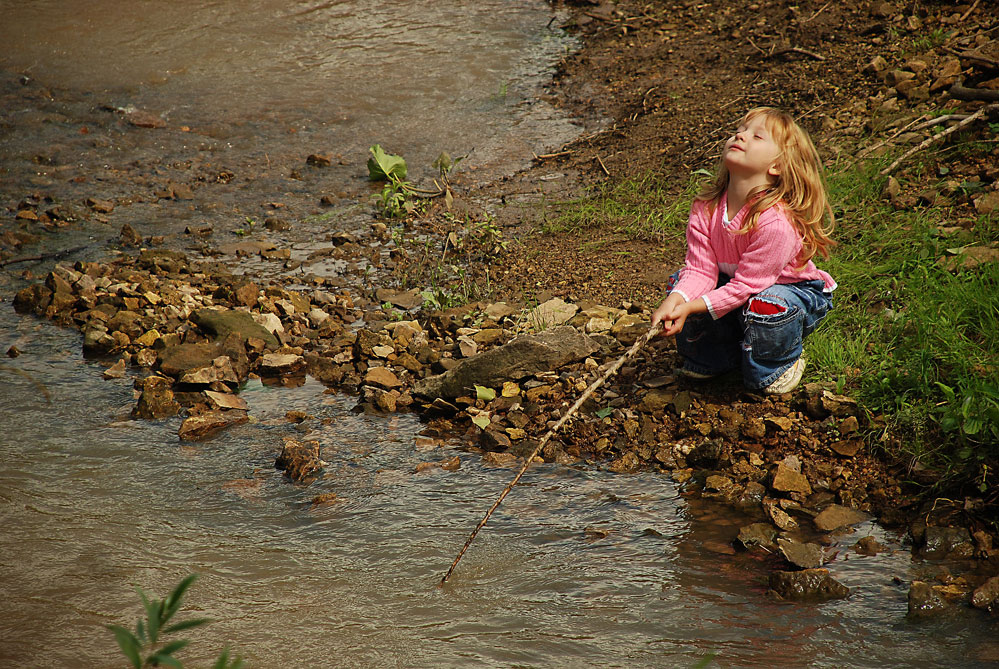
798	187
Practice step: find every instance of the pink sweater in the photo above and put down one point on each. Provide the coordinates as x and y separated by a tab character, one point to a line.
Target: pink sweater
755	261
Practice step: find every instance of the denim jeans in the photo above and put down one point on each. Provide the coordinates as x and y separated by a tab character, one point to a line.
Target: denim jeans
764	337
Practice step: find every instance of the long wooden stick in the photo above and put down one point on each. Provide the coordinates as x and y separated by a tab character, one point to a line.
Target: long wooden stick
642	341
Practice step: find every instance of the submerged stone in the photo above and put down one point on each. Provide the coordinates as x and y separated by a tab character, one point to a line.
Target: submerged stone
808	584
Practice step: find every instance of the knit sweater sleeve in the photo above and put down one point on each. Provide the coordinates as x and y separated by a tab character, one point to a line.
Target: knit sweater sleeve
700	268
771	246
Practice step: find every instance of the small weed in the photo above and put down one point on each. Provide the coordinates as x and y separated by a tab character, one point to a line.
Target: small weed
145	648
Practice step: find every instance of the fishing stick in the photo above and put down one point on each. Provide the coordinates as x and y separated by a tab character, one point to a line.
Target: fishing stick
642	341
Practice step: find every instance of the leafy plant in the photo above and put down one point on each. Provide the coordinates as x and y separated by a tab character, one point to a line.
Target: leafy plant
144	647
385	166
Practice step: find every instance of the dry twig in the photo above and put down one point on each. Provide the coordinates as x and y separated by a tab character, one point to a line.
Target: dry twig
936	138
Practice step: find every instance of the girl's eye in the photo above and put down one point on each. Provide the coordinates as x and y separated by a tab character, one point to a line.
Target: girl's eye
757	137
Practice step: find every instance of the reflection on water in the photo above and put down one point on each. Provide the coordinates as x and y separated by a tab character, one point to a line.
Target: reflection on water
578	568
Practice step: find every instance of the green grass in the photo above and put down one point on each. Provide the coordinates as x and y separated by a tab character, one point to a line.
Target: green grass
914	340
641	208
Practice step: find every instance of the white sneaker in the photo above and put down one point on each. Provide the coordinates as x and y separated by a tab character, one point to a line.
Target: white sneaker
787	381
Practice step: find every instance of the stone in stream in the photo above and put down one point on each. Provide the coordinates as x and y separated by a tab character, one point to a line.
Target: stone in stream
808	584
178	359
835	516
757	534
156	400
787	480
805	556
925	601
524	356
281	364
202	426
987	596
219	323
300	460
946	542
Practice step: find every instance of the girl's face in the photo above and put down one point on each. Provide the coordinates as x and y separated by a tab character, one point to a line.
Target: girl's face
752	151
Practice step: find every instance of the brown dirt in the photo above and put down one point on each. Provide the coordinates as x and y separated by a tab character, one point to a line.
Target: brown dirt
661	86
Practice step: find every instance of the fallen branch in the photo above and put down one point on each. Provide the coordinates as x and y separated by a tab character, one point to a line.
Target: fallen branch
642	341
797	49
603	167
546	156
939	136
960	92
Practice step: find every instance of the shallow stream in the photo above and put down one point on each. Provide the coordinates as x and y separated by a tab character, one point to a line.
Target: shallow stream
579	567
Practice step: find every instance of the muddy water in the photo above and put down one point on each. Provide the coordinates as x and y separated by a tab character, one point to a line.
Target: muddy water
578	568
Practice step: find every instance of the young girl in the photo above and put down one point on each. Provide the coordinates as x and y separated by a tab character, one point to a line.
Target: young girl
748	292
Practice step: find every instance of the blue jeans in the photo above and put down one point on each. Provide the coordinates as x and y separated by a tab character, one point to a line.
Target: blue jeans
764	337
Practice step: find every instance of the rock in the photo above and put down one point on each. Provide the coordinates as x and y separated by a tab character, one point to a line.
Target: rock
493	439
757	534
498	311
946	542
407	299
220	370
707	455
219	323
32	299
226	400
715	483
987	596
788	480
381	377
501	459
144	119
281	364
847	447
656	400
868	546
115	371
925	601
129	237
300	460
753	429
156	400
524	356
805	556
176	360
835	516
808	584
202	426
552	313
780	517
318	160
629	328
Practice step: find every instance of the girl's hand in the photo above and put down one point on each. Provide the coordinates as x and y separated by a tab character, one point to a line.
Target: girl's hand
665	313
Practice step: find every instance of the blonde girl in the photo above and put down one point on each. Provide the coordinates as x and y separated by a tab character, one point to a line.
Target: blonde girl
749	291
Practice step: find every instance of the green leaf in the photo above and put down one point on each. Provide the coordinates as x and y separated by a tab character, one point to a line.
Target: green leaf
128	643
173	647
603	413
482	421
172	602
484	393
152	615
223	661
383	165
186	625
164	659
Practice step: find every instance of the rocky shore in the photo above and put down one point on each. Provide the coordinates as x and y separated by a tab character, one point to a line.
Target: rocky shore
497	377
